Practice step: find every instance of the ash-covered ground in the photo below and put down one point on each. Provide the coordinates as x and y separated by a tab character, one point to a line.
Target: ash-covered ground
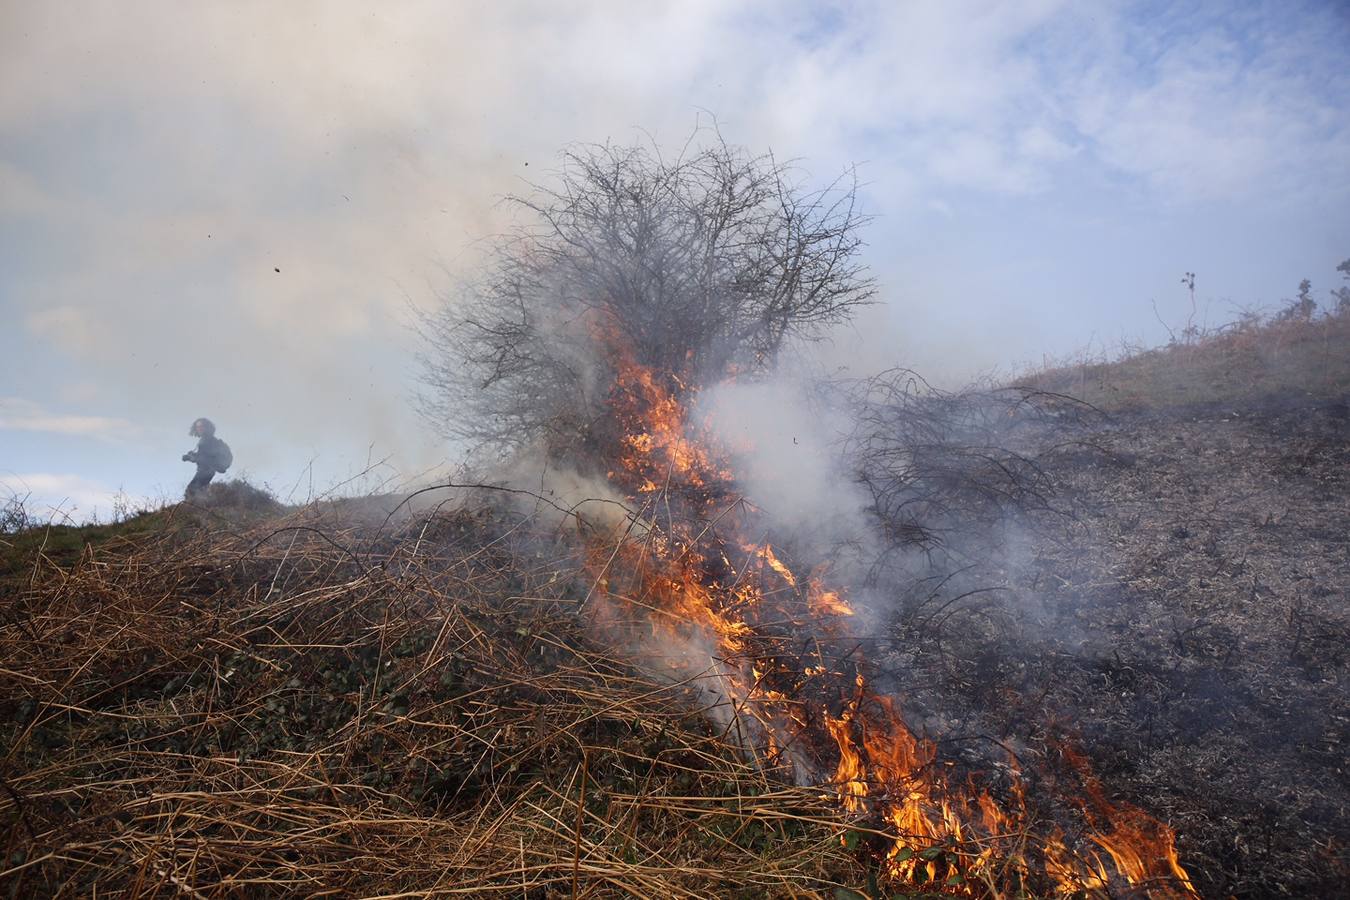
1179	613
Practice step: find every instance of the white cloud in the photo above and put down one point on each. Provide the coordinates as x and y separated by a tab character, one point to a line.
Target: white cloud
67	327
1242	105
941	207
80	392
17	414
1038	143
973	160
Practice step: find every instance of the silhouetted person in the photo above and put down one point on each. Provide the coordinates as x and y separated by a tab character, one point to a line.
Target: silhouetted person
211	456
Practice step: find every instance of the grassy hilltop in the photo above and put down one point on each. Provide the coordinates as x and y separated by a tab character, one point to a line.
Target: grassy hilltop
1253	362
245	699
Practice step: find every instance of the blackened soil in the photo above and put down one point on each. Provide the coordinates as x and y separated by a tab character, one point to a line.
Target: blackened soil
1183	617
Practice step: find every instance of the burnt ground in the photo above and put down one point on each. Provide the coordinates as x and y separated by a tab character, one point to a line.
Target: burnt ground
1180	614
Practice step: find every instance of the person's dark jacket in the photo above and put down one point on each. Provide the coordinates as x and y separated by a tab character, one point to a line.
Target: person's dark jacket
211	454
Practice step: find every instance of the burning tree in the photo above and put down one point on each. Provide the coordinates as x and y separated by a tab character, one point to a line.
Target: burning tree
636	282
698	265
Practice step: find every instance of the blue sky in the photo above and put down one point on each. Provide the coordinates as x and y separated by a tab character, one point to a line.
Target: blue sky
1041	173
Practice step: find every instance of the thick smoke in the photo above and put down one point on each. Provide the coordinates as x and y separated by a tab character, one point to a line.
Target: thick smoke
784	440
560	496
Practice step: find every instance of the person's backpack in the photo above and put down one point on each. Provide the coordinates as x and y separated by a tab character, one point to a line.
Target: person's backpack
224	458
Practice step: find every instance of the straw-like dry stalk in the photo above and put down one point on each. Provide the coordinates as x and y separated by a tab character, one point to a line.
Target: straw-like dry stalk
317	709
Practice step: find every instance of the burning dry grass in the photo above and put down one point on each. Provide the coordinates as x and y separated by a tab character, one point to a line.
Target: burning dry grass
804	690
459	704
310	709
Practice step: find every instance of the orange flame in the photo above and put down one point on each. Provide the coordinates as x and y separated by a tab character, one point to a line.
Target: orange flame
686	579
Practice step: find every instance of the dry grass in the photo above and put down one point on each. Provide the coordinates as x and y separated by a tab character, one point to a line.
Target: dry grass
306	708
243	701
1280	358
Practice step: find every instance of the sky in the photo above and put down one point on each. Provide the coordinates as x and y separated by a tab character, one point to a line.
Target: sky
230	209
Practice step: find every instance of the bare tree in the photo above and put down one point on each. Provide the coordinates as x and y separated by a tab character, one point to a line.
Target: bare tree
694	266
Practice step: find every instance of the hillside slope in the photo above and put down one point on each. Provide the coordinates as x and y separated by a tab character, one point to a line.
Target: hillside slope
1249	364
1196	600
320	703
344	698
1190	618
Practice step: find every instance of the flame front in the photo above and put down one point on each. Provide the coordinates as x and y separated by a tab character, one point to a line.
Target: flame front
716	598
